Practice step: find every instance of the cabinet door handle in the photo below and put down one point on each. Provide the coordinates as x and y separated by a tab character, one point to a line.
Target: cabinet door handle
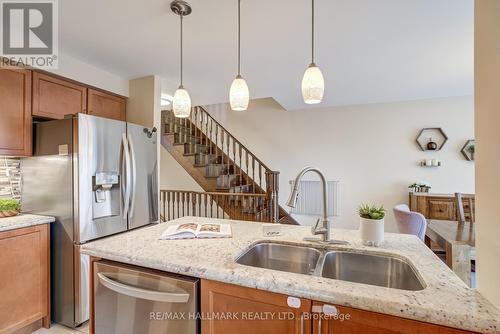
302	323
319	324
136	292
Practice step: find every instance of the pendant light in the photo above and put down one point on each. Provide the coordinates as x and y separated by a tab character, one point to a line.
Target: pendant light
313	84
238	93
181	103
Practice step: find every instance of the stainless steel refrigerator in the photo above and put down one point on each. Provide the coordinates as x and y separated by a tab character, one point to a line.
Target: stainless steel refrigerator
98	177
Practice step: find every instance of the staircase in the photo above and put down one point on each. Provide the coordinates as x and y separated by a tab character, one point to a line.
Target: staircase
236	184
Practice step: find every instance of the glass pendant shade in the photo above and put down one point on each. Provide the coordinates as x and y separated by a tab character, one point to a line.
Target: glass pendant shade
313	85
181	104
239	94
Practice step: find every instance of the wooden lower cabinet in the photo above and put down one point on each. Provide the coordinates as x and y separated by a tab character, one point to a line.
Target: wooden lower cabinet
227	300
24	278
248	311
439	207
346	320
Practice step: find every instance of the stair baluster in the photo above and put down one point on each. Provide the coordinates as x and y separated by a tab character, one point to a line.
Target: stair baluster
228	165
241	174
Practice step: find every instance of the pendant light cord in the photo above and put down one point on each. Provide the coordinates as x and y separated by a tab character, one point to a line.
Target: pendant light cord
181	16
312	31
239	37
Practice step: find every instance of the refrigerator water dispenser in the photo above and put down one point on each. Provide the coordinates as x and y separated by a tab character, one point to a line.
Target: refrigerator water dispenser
106	191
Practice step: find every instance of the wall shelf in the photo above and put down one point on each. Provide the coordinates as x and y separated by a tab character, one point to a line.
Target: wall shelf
437	134
466	150
423	164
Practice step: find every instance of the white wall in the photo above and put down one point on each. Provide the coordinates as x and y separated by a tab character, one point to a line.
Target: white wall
78	70
487	59
173	176
143	107
371	149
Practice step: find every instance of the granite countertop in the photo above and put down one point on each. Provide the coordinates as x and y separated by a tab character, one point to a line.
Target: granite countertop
446	300
23	220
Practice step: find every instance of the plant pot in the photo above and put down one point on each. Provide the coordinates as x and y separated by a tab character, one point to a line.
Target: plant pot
371	231
8	213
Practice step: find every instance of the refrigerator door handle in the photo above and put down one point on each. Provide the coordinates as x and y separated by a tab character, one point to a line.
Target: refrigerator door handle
125	185
134	178
136	292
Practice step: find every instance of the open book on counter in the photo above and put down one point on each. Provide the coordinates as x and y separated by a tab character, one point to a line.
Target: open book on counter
197	230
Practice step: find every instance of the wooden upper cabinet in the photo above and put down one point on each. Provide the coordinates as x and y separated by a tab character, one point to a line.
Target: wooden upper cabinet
15	112
106	105
53	97
248	311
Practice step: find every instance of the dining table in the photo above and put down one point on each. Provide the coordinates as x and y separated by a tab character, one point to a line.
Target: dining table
458	241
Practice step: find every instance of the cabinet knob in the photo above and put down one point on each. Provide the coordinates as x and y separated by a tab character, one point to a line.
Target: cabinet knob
330	310
325	309
293	302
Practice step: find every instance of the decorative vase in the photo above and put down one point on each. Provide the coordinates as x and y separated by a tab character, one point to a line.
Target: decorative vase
8	213
371	231
432	145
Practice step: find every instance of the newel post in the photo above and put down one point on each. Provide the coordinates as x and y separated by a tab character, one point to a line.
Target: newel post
272	189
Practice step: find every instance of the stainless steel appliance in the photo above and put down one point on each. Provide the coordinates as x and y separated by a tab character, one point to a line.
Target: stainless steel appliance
131	300
98	177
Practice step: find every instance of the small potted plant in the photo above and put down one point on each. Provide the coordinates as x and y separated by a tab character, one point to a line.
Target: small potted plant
419	187
9	208
371	224
413	187
471	149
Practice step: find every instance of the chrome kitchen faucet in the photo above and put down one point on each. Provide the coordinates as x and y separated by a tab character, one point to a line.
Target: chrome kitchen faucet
324	230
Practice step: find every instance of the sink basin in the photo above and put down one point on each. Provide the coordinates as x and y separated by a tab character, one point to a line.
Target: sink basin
294	259
373	269
386	271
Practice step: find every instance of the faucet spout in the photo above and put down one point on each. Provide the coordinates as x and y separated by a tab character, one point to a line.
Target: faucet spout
292	200
322	227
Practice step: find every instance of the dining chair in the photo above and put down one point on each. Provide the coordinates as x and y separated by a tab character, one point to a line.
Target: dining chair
466	207
466	212
410	222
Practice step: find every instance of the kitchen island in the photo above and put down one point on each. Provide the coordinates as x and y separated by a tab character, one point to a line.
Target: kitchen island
445	300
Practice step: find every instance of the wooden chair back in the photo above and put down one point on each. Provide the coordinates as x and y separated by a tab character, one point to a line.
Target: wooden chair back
466	207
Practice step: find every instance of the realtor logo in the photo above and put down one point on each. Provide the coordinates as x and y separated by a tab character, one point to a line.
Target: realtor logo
29	33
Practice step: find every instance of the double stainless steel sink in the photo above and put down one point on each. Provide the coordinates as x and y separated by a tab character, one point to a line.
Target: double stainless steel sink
347	265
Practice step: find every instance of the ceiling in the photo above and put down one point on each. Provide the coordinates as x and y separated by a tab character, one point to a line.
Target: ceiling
370	51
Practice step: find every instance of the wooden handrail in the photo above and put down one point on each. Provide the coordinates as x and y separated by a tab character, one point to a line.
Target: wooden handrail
215	193
233	165
234	138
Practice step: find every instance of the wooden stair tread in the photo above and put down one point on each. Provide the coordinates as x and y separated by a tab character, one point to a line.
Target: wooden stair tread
210	166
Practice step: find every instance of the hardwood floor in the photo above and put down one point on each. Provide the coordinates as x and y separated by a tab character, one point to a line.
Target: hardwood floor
59	329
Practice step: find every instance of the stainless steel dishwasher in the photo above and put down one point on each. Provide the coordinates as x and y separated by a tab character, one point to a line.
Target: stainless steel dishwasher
136	300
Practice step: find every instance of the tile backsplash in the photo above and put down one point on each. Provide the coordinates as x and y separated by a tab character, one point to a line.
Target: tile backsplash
10	178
